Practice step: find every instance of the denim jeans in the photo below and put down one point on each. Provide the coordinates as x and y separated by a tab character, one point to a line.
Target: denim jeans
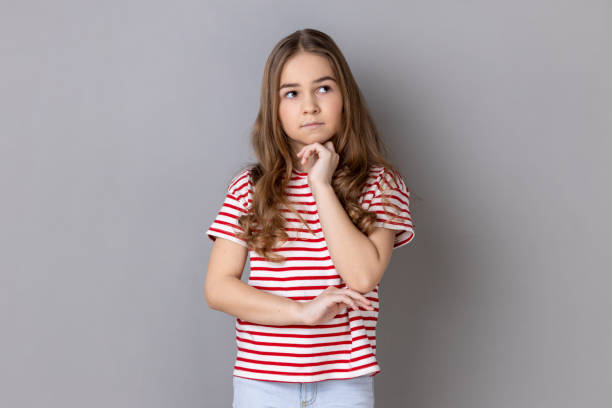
355	392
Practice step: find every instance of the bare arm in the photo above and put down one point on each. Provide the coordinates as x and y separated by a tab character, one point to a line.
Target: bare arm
225	291
360	260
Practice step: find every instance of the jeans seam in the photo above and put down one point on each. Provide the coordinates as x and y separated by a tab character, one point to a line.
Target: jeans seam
314	395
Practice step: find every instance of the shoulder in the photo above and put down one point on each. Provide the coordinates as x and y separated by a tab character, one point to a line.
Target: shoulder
240	186
239	181
375	171
372	187
383	177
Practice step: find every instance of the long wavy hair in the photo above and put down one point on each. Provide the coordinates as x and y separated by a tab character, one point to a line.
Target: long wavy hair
357	144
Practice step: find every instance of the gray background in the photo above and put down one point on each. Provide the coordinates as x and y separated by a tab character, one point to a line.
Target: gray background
123	121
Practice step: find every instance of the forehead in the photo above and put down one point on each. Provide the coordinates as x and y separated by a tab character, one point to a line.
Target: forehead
305	67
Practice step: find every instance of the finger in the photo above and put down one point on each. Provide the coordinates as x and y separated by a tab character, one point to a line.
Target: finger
356	295
368	306
365	302
303	150
362	306
347	300
329	144
307	151
311	154
362	300
319	148
365	305
340	299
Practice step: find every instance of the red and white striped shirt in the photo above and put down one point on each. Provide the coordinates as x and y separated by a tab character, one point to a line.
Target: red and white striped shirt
344	347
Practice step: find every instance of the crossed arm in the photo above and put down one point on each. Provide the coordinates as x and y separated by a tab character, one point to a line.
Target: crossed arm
359	259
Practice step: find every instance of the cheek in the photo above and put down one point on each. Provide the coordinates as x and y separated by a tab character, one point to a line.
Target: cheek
284	113
335	107
281	113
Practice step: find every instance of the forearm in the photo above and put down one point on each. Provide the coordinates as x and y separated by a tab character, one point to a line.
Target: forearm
352	252
233	296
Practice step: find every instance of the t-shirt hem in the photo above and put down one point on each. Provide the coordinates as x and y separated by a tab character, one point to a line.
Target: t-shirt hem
370	371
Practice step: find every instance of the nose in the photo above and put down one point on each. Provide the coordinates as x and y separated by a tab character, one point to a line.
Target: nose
310	105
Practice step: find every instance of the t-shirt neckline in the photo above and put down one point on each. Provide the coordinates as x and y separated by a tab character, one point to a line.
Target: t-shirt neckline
300	174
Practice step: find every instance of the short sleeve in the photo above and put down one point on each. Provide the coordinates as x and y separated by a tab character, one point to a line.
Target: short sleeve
395	212
235	204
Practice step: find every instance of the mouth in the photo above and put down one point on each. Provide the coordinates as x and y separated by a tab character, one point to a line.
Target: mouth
312	124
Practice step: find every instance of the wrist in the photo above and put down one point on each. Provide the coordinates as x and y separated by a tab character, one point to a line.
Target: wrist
319	186
298	312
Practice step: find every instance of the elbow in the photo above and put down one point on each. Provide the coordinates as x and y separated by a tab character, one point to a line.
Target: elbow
364	286
366	281
363	289
209	295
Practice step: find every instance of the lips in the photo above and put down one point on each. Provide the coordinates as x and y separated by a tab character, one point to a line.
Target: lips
312	124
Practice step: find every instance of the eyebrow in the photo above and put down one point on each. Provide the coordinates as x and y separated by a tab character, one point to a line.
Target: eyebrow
314	82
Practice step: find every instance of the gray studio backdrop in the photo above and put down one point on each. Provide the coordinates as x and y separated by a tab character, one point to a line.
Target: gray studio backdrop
121	124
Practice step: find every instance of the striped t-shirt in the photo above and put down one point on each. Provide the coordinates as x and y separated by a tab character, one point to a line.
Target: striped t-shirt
344	347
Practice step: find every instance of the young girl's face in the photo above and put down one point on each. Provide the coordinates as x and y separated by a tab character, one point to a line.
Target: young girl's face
309	93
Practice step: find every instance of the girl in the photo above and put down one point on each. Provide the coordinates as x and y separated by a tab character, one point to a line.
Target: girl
319	216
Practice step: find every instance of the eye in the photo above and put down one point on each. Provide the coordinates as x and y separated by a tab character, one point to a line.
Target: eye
326	87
